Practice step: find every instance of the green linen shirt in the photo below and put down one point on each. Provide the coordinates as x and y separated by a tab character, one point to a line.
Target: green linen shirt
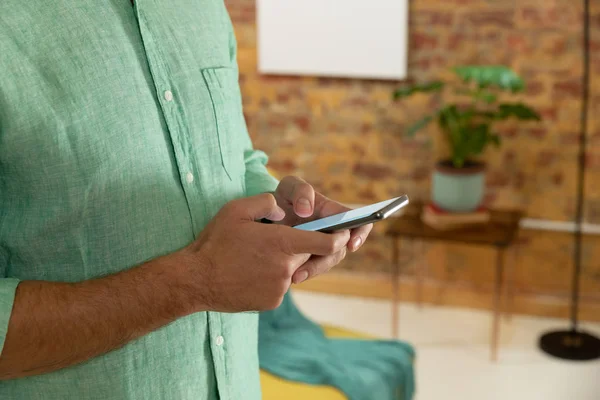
121	136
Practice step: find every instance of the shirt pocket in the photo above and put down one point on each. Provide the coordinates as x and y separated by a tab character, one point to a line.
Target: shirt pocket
226	99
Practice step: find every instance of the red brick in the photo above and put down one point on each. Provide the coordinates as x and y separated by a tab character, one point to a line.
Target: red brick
509	132
420	173
367	195
359	101
426	63
531	14
278	79
358	150
594	138
551	17
433	18
337	187
374	255
333	127
455	40
489	198
593	214
534	88
366	127
463	2
592	160
517	42
595	21
303	123
326	81
497	179
422	64
559	47
569	138
538	133
570	88
439	61
548	113
546	158
278	123
496	18
411	145
519	180
373	171
283	97
558	178
509	156
283	166
421	41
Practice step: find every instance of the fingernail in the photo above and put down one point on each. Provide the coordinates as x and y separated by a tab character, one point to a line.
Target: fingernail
301	277
303	205
356	243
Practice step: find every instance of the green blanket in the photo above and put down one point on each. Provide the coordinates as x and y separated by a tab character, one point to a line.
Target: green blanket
296	349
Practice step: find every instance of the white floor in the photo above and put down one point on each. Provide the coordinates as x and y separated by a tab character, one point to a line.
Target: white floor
453	359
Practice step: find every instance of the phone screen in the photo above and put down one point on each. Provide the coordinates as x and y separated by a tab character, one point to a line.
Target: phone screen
344	217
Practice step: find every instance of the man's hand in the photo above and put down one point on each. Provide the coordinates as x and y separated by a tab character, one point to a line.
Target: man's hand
236	265
247	265
302	204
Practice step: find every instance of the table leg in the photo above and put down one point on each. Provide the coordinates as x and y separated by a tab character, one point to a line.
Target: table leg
496	306
509	286
395	285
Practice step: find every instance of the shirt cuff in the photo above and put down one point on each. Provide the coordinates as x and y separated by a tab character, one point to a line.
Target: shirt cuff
258	179
8	288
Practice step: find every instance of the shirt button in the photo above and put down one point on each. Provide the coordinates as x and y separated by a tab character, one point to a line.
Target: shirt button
189	177
168	95
220	340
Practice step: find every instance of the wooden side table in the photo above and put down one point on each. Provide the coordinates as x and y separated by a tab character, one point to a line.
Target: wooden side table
500	233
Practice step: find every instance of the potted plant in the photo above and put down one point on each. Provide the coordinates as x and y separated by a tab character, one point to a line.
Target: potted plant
458	182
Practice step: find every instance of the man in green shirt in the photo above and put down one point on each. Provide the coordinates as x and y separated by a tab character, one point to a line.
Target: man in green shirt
130	259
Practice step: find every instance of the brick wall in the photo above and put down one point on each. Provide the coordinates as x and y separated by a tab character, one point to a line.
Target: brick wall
346	135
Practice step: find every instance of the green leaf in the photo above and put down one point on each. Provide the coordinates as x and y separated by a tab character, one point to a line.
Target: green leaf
406	91
477	138
449	121
458	161
417	126
491	75
516	110
484	95
485	114
496	139
488	97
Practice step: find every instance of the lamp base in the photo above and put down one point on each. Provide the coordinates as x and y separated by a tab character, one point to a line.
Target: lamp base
570	345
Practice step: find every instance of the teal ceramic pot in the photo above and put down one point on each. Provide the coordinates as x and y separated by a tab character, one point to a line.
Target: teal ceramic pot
458	189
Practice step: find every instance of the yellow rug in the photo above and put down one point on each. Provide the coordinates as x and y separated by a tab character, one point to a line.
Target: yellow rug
274	388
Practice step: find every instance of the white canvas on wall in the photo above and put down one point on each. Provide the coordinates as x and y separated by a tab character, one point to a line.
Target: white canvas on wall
339	38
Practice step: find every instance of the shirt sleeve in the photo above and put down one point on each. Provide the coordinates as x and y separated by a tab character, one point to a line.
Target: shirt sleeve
8	288
258	179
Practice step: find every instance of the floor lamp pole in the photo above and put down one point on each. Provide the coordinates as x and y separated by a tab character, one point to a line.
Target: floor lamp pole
573	344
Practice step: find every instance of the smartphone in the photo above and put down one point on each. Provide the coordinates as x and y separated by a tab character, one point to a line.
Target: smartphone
357	217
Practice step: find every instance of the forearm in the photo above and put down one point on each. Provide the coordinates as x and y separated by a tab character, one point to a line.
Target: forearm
55	325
